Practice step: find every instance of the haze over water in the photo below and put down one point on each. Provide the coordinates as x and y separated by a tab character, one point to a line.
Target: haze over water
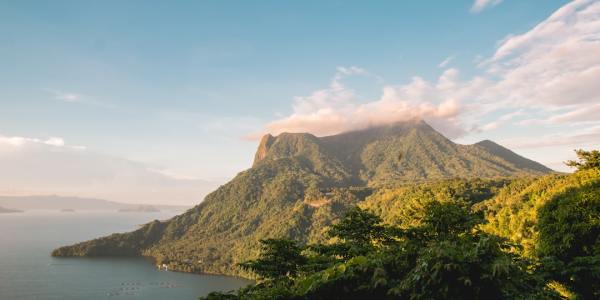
27	271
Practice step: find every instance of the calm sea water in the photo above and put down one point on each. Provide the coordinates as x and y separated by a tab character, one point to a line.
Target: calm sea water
27	271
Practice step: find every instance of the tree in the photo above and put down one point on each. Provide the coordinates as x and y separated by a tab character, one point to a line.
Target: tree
358	230
455	260
448	219
569	240
279	258
586	160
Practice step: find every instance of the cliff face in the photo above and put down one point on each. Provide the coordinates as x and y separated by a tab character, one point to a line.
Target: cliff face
298	185
263	148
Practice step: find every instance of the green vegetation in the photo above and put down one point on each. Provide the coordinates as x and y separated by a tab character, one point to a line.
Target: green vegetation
556	221
447	257
404	205
281	198
530	238
587	160
569	243
279	258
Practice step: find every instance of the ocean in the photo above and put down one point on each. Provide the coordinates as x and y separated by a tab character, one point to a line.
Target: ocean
27	271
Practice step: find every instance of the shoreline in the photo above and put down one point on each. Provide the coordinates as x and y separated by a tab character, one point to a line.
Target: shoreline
152	260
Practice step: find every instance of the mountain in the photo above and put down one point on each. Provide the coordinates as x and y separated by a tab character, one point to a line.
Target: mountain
402	152
299	184
53	202
512	157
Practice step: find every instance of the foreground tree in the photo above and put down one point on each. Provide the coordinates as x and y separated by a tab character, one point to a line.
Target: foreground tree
279	258
358	233
456	260
569	241
586	160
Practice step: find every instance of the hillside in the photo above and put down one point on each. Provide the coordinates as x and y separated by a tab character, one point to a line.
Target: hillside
299	184
517	209
537	238
512	208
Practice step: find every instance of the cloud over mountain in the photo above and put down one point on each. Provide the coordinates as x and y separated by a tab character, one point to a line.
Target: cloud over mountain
337	108
546	75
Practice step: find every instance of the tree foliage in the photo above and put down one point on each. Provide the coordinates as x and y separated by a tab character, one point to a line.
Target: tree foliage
556	221
569	240
445	258
586	160
357	233
278	258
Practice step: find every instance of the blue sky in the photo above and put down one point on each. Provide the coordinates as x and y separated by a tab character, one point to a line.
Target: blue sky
178	86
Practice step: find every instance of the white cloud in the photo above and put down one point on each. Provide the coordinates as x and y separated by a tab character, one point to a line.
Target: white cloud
480	5
446	61
71	97
574	139
55	141
585	114
66	96
502	120
337	109
18	141
353	70
582	114
554	64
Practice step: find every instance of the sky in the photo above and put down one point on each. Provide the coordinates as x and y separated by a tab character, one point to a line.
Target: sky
163	101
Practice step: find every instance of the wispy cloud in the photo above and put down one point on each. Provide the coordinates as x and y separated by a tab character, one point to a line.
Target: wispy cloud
586	136
337	108
69	97
19	141
446	61
502	120
72	97
66	96
480	5
225	126
556	63
584	115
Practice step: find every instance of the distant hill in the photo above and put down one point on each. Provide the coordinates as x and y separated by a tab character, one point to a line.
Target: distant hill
8	210
140	208
54	202
299	184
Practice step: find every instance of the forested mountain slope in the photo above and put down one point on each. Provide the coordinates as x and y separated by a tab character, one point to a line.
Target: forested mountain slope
299	184
537	238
